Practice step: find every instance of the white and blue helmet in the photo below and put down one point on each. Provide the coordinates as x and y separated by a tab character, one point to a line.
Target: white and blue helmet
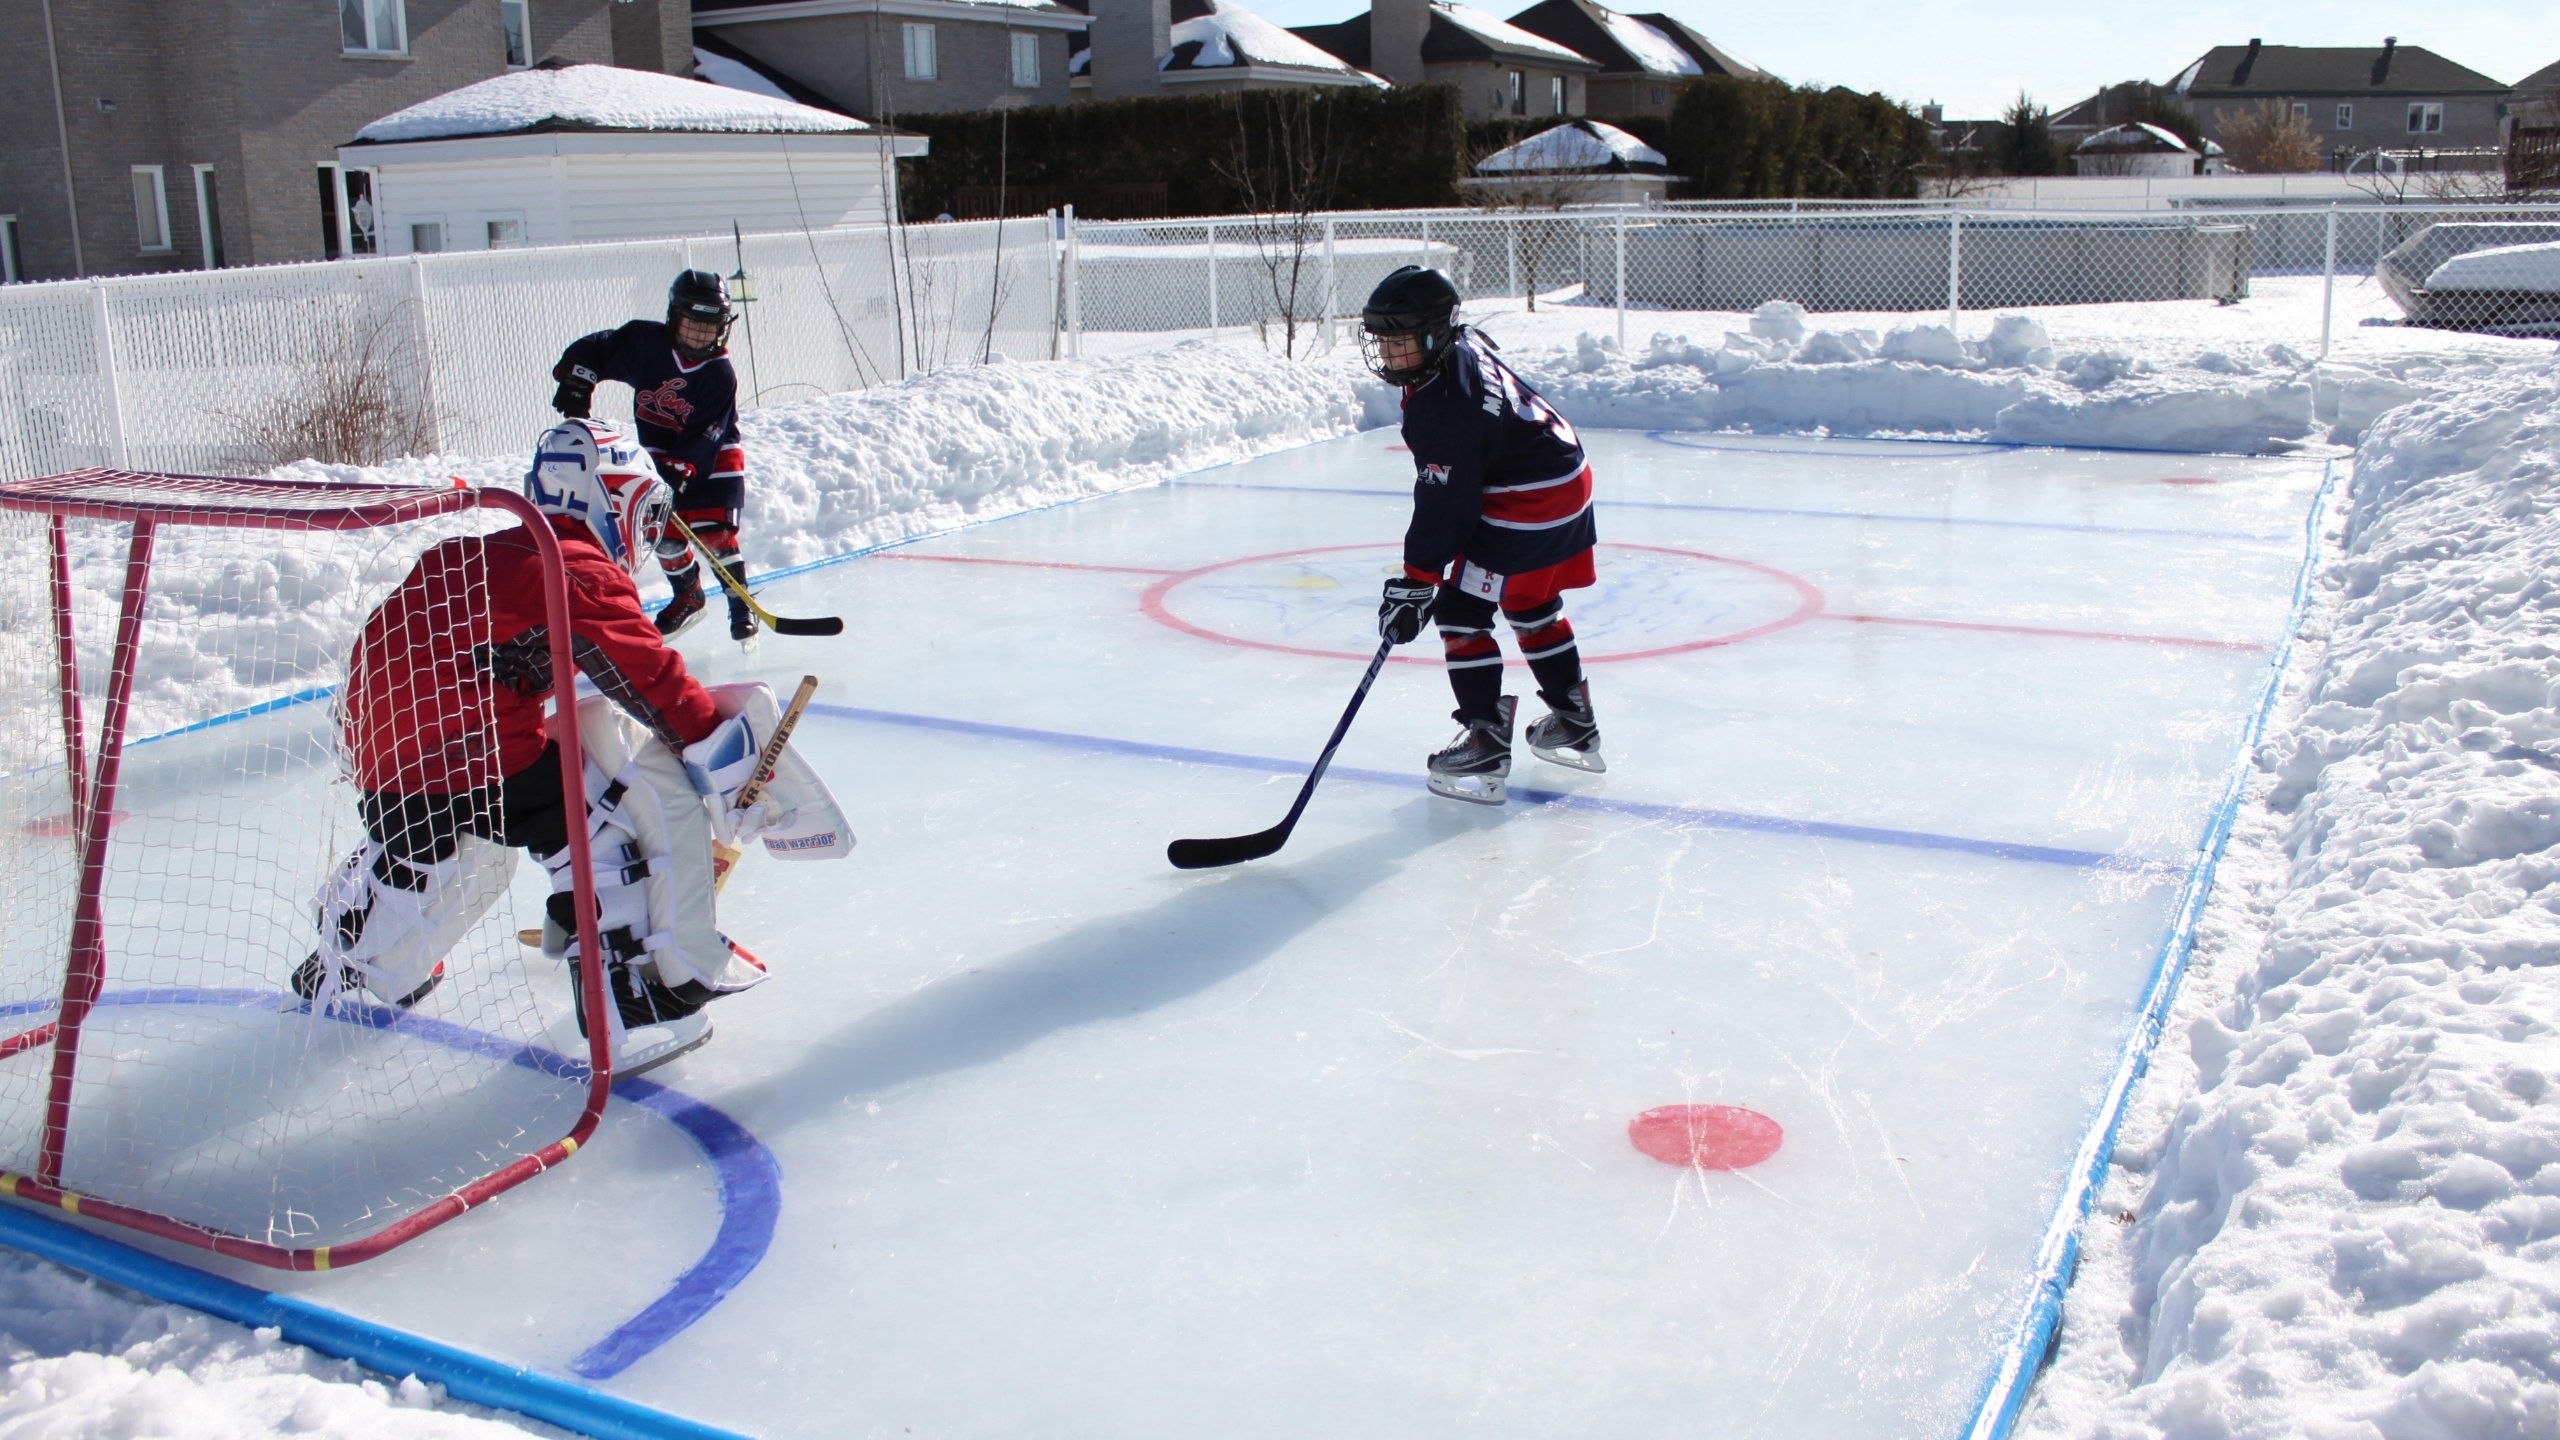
595	473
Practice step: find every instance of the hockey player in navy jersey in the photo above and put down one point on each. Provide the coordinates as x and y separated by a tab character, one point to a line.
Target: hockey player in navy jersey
1501	522
684	393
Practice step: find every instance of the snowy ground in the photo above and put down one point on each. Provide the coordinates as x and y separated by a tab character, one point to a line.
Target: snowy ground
2335	1205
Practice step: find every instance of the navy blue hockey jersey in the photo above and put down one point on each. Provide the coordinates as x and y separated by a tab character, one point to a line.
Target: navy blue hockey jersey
1499	476
687	413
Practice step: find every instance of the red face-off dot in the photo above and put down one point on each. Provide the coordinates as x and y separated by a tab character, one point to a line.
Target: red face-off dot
1706	1137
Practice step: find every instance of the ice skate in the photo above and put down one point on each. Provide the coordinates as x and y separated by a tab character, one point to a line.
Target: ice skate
742	620
643	1048
686	606
307	977
1568	735
1476	766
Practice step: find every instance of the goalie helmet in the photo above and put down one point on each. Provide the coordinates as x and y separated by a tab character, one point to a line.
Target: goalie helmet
595	473
698	305
1411	301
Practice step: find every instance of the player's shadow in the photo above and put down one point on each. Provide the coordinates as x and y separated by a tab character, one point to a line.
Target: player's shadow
1108	968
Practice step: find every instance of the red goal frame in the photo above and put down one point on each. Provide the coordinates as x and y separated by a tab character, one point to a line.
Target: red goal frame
148	503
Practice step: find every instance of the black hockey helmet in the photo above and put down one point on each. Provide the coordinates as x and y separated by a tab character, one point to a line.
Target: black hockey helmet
699	295
1411	301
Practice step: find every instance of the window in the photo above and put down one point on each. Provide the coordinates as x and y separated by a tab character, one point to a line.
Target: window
2426	117
2346	117
151	209
10	271
426	237
919	51
1657	94
359	213
1026	61
209	217
2301	112
1519	97
506	232
519	30
373	27
1555	93
332	221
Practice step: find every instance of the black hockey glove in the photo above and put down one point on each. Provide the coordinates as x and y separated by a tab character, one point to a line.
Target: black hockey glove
577	389
1403	606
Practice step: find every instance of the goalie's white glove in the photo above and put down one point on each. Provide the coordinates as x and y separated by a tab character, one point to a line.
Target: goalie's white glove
721	763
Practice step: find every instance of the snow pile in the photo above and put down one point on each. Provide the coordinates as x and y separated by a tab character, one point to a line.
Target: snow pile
2014	385
1645	45
79	1360
601	97
721	70
1501	34
1580	145
1231	35
2531	268
2343	1187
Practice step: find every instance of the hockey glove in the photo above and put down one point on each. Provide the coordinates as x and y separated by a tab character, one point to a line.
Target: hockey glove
720	765
572	398
1403	607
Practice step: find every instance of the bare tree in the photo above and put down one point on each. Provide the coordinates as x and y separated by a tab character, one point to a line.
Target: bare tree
1530	204
2268	138
351	393
1285	164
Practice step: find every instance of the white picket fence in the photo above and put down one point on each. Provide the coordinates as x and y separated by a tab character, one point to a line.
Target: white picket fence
183	371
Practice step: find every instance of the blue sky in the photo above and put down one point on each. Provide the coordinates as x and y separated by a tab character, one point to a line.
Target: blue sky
1976	55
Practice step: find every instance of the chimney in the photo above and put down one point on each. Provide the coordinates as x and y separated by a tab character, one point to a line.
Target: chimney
2382	62
1396	28
2240	73
1933	113
1129	39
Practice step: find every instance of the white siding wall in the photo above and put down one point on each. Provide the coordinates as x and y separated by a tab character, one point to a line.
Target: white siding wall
465	197
567	199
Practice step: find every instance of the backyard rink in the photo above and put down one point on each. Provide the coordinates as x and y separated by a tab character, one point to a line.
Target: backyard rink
1910	748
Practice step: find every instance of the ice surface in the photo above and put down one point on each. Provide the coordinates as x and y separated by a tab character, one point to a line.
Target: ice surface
1073	1143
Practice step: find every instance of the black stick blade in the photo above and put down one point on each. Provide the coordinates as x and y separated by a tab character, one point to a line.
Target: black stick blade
823	625
1231	850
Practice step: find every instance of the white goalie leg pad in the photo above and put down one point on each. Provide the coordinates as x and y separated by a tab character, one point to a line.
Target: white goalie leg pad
803	821
655	805
391	935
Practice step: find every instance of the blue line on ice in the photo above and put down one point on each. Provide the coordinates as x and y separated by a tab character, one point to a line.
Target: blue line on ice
1703	816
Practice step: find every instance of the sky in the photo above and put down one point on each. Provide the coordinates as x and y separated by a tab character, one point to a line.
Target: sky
1975	56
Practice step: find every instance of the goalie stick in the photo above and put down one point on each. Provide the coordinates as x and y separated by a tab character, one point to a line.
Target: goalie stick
1208	854
778	624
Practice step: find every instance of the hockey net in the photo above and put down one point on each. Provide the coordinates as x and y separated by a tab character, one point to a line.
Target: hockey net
174	794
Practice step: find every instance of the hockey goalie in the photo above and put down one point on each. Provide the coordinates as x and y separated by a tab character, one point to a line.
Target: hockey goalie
441	729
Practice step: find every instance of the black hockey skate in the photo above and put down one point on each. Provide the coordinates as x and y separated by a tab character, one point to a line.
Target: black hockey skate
1476	767
307	977
742	621
686	607
1568	736
658	1023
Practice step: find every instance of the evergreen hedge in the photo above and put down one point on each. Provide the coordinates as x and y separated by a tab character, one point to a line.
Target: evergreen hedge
1764	140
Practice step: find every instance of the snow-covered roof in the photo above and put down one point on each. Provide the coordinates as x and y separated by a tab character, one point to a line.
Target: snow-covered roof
735	74
1578	146
1511	37
1645	45
1230	36
2137	135
600	97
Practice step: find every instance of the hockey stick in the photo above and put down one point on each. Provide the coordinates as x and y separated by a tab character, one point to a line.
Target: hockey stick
724	858
778	624
1208	854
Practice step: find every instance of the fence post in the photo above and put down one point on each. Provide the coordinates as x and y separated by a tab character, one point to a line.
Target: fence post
111	404
1622	282
2328	282
1213	277
1331	298
1511	254
1955	268
1425	262
426	351
1075	287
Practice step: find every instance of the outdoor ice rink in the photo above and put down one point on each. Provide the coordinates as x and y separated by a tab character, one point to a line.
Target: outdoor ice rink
1030	1134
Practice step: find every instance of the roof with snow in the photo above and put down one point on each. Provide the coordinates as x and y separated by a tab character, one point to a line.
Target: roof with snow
1223	35
1581	147
548	99
1628	44
783	9
2304	71
1456	34
2136	138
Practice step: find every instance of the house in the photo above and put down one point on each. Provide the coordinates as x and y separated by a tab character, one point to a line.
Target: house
2534	103
1499	69
2354	98
2135	148
880	59
559	154
1184	47
187	136
1642	58
1581	162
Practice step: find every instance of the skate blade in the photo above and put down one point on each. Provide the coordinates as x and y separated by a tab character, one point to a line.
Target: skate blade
1584	760
685	624
650	1046
1474	789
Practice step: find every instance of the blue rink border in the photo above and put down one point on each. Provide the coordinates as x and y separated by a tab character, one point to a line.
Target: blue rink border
2030	1345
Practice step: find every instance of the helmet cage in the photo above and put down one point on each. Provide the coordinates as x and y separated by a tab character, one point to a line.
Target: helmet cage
699	296
1413	302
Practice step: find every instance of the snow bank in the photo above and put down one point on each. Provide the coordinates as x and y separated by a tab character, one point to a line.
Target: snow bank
2336	1210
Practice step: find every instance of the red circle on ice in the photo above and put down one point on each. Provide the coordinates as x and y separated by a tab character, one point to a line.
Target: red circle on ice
1706	1137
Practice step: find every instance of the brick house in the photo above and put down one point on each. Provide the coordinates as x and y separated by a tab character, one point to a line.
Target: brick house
184	136
2355	98
879	59
1499	69
1642	58
1192	47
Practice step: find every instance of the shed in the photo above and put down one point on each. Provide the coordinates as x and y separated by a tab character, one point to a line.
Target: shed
2136	148
1582	162
565	153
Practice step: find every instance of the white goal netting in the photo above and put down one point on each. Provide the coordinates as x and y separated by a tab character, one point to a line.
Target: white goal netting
155	1054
